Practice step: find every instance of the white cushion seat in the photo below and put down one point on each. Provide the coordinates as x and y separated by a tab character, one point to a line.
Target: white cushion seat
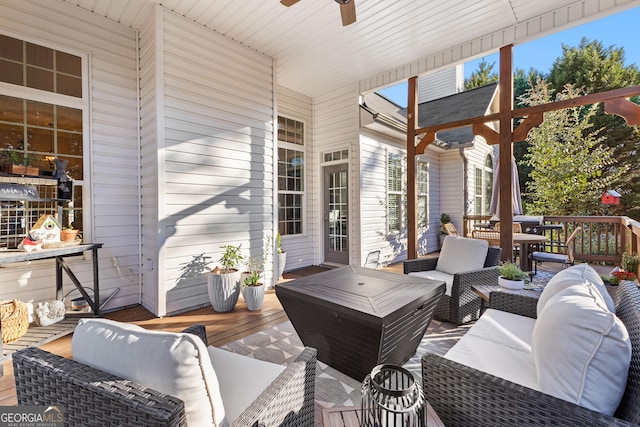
458	255
216	386
576	350
499	343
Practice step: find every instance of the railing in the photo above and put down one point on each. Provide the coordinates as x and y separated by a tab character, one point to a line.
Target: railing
603	239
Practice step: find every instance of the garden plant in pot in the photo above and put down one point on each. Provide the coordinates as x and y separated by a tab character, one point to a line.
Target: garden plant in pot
511	277
252	286
223	284
282	256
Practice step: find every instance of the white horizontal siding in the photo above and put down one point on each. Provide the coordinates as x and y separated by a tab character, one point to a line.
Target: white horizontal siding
336	117
110	155
301	249
217	164
439	84
452	187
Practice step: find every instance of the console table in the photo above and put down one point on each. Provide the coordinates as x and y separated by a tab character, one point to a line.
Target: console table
59	254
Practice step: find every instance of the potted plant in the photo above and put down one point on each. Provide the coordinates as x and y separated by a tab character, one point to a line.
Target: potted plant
511	277
252	286
282	256
223	284
253	290
19	162
69	234
445	218
630	262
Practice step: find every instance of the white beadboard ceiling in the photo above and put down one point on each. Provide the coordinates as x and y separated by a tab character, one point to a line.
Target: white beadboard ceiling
391	40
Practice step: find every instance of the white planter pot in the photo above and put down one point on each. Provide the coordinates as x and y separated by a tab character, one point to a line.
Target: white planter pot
254	297
223	290
511	284
282	261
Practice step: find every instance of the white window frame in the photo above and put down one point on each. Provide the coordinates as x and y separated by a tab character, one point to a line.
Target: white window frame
395	192
422	183
302	149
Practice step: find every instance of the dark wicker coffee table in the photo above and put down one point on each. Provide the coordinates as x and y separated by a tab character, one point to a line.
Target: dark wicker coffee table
358	318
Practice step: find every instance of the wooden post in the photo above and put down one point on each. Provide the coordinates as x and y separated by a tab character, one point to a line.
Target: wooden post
506	151
412	203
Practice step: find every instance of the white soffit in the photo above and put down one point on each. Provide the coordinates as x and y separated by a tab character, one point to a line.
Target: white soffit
390	41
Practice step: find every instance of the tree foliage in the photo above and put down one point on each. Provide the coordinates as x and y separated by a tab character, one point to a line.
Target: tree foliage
570	167
595	68
482	77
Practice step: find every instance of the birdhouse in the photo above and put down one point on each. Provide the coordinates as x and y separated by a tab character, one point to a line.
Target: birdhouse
46	229
611	197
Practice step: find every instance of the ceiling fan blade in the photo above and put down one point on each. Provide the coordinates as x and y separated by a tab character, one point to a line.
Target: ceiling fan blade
348	13
289	2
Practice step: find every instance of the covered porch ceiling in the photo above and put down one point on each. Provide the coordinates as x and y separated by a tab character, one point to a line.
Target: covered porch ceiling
390	41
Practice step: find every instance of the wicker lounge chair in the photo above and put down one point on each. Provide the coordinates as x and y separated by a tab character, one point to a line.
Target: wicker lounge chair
90	396
463	396
463	305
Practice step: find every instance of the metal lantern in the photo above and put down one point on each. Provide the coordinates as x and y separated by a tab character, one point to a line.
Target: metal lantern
391	398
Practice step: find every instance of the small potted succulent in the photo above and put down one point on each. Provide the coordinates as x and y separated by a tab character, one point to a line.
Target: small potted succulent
223	284
511	277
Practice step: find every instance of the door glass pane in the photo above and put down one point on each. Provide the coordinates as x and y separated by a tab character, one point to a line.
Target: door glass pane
338	211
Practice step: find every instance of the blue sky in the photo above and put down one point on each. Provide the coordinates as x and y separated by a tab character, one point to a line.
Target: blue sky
620	30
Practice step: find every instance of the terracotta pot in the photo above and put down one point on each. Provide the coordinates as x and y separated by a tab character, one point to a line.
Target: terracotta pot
68	235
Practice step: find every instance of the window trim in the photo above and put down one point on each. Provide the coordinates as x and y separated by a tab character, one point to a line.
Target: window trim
82	104
402	210
294	147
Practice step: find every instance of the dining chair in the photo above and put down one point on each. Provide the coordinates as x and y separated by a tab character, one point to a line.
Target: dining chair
566	258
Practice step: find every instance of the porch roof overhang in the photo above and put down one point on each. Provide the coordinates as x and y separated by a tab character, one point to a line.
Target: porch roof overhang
390	41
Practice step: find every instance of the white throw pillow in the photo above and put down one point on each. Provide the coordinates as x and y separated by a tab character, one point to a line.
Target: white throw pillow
177	364
460	254
581	349
579	273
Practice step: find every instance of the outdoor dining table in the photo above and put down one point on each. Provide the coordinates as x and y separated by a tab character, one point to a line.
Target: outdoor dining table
525	240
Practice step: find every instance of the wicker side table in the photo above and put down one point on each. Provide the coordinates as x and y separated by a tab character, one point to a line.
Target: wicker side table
349	416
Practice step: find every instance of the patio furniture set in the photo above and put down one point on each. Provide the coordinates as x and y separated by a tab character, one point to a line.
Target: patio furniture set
358	318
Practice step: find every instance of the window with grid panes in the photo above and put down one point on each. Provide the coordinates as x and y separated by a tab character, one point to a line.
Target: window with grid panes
488	184
422	183
290	176
42	126
394	192
478	191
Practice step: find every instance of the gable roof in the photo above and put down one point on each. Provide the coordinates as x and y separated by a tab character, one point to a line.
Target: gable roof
463	105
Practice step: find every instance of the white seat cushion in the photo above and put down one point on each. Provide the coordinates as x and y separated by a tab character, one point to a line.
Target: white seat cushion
242	379
459	254
173	363
436	275
581	349
499	344
579	273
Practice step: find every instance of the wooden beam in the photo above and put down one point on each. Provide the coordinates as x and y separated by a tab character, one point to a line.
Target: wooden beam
491	136
460	123
532	120
412	199
593	98
624	108
427	139
506	151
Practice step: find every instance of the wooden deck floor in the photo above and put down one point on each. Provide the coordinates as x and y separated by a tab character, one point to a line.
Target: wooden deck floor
222	328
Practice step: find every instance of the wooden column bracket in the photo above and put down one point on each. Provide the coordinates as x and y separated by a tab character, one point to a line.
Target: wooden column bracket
623	108
427	139
531	121
491	136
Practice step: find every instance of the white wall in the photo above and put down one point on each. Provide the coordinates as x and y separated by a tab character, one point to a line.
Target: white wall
452	187
302	249
336	126
441	83
111	153
215	155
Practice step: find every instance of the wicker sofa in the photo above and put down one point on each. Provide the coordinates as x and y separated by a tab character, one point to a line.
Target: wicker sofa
90	396
460	304
466	396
